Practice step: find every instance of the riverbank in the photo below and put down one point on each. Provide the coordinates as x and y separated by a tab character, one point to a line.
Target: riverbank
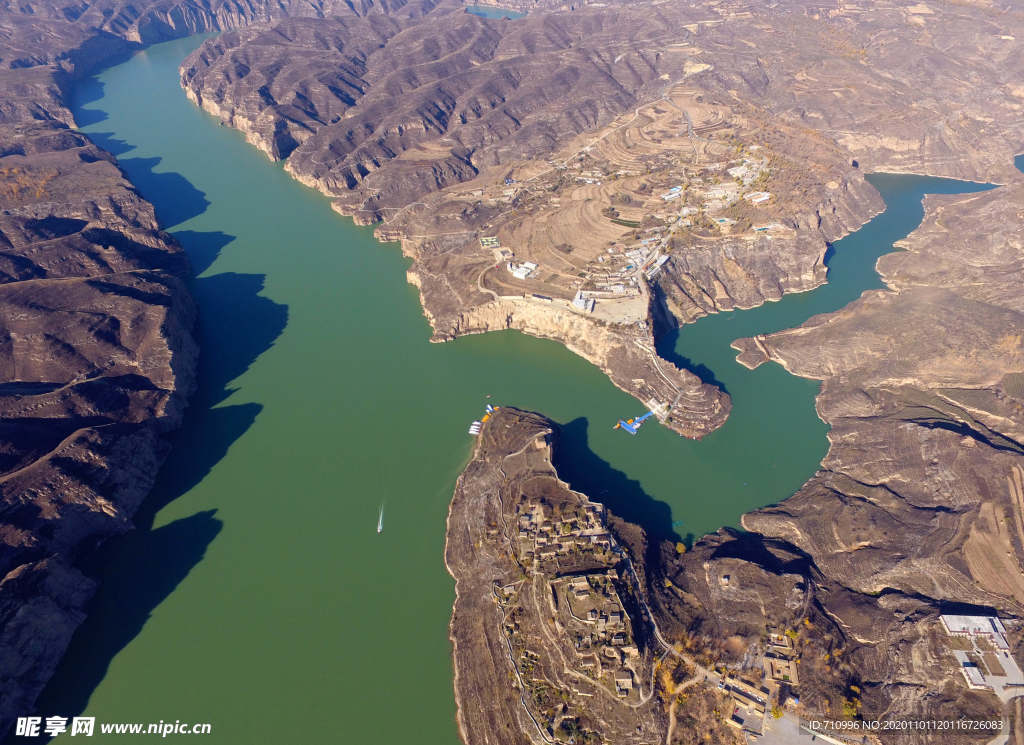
471	195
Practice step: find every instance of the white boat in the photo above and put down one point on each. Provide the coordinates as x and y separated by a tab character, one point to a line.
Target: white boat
380	520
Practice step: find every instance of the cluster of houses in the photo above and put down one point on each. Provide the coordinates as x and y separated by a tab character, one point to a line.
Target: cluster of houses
588	608
750	702
594	617
545	537
647	257
752	699
621	281
748	171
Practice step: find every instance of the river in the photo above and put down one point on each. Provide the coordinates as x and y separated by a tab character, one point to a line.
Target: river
256	593
489	11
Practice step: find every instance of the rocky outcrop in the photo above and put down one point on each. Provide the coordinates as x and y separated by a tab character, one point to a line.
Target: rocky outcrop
528	664
97	361
97	358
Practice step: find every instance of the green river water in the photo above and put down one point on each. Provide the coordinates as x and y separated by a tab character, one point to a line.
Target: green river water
256	593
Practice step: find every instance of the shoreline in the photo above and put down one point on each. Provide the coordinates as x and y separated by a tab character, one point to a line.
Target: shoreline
460	721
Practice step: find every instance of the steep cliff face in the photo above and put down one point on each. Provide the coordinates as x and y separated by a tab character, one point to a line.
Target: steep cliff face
97	361
97	358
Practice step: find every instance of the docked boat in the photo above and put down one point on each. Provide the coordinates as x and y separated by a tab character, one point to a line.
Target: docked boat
633	425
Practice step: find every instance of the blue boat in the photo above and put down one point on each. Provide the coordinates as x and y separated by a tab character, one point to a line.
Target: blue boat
633	425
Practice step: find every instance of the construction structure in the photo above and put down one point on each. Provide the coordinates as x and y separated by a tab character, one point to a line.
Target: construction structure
632	426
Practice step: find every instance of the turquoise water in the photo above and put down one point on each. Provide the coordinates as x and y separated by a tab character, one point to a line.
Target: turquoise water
256	593
487	11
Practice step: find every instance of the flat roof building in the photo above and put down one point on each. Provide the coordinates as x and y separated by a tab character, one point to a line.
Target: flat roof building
988	626
973	676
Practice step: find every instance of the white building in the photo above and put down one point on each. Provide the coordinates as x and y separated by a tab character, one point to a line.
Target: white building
584	303
973	676
740	172
987	626
522	271
656	267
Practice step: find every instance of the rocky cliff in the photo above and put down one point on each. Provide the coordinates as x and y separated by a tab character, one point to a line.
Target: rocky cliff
707	277
97	362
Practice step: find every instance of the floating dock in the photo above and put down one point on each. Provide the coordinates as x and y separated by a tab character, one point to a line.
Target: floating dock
632	426
477	425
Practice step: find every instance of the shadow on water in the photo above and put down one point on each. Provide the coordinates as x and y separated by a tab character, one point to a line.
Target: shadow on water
173	197
666	342
586	472
89	90
203	247
141	569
